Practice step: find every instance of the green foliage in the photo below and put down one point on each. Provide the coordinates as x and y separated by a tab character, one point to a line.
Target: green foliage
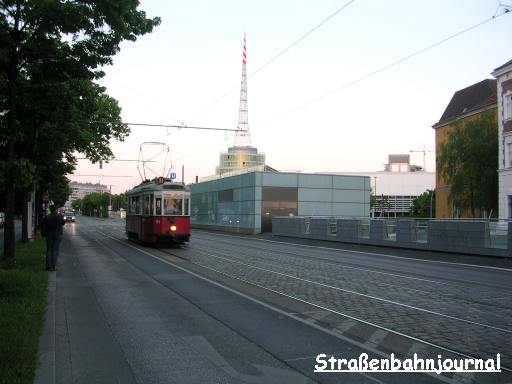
423	204
118	202
77	204
22	305
96	204
468	161
51	53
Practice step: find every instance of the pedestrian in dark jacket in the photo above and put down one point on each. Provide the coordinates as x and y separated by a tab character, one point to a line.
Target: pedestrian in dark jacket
51	229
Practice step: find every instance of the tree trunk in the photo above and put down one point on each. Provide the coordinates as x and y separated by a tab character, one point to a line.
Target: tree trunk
9	231
24	219
12	79
39	210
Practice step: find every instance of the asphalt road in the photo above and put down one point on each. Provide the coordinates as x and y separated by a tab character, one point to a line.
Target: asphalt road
246	309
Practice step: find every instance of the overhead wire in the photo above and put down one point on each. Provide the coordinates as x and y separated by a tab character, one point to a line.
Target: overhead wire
274	58
377	71
180	126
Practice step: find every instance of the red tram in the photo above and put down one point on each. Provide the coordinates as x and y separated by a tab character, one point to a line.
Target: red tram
158	210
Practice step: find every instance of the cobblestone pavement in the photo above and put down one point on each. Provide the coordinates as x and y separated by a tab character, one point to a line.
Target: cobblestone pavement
467	318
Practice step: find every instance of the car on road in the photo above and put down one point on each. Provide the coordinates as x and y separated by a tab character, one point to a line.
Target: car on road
2	219
69	216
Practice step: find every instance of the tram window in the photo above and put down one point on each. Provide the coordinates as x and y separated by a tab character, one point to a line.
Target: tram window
134	205
151	205
186	209
137	205
173	204
158	204
146	206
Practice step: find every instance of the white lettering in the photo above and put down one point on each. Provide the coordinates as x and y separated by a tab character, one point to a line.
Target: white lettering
407	365
363	361
320	360
395	363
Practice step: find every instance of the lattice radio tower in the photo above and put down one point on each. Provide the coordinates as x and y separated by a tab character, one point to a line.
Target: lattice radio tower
242	136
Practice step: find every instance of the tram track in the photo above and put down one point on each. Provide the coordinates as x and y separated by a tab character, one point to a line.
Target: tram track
252	275
339	276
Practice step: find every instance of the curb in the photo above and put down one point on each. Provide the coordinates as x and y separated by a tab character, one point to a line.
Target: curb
45	372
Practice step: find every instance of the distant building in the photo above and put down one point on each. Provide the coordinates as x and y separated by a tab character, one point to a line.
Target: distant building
237	158
80	190
396	187
398	163
467	104
503	75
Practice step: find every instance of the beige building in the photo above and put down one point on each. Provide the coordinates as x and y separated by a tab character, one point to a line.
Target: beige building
80	190
467	104
503	76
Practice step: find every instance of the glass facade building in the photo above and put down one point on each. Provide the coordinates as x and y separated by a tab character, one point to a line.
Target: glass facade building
247	202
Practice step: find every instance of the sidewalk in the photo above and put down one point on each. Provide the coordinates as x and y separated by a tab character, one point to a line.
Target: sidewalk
77	344
45	373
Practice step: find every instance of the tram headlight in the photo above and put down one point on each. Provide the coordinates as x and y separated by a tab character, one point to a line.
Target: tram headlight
173	228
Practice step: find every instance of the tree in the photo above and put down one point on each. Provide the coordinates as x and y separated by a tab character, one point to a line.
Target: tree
77	204
424	205
59	47
118	202
96	204
468	162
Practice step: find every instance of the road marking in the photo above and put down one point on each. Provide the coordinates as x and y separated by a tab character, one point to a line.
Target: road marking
346	325
369	253
417	348
376	338
320	315
303	321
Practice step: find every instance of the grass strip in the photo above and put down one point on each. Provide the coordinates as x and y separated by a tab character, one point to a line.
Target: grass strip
23	289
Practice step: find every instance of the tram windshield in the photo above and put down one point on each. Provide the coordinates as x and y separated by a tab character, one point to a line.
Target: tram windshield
173	204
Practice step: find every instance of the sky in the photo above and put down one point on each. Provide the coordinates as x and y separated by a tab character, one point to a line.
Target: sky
183	71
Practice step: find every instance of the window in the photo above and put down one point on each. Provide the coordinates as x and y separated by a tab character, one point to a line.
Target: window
158	204
146	205
508	106
134	205
509	154
173	204
186	211
225	195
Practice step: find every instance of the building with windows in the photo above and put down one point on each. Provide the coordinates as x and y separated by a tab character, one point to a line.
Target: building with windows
247	202
80	190
503	75
239	157
396	187
466	104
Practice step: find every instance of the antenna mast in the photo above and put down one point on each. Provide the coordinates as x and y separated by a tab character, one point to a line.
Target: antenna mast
242	136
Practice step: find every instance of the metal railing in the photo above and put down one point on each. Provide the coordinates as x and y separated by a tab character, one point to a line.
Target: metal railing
421	228
421	232
390	230
498	234
364	228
